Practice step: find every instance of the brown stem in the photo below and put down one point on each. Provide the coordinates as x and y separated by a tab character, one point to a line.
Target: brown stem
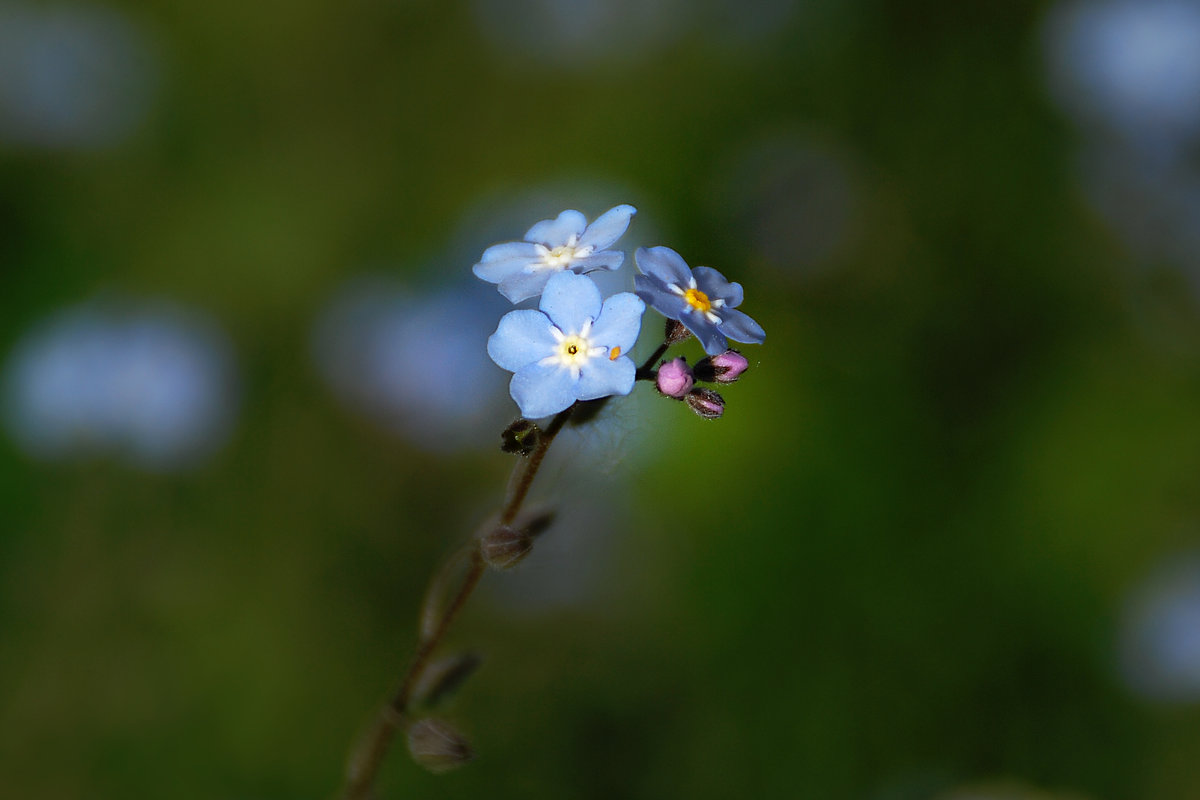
368	756
646	372
524	472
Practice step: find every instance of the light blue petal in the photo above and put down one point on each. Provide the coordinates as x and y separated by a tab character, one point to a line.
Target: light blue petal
619	322
541	390
600	377
713	284
663	263
570	300
523	337
507	250
609	259
522	285
556	232
667	303
739	327
497	271
608	227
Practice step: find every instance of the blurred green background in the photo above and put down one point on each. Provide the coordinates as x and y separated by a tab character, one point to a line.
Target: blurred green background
939	541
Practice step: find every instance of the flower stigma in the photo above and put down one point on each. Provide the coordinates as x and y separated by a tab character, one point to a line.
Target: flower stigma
697	300
573	350
563	255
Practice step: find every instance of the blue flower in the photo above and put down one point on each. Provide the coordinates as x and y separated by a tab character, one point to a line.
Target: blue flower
700	298
552	246
573	348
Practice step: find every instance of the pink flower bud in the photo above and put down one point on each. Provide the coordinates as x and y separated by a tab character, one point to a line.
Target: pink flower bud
706	403
724	368
674	378
729	365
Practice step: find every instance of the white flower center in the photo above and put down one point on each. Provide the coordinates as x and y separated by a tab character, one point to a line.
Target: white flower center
562	256
573	350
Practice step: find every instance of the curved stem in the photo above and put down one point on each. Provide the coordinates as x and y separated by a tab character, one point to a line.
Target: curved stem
368	756
524	472
644	372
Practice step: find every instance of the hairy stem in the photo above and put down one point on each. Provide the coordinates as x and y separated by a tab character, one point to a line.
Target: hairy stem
368	755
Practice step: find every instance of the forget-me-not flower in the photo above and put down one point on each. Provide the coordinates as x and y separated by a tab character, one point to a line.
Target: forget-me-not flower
567	242
574	348
700	298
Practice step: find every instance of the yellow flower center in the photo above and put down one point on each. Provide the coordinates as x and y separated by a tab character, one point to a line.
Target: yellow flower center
697	299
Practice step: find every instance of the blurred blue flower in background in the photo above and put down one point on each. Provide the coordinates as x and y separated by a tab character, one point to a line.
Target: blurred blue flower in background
1131	65
148	382
577	34
1160	635
413	361
1128	73
72	77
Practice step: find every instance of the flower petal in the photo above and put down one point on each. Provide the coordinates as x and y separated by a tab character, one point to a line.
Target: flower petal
556	232
523	285
619	322
570	300
609	259
713	284
739	327
711	338
664	264
652	291
501	260
507	250
608	227
543	389
601	378
523	337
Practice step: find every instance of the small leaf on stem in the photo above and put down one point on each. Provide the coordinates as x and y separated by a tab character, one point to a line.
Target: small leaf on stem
444	677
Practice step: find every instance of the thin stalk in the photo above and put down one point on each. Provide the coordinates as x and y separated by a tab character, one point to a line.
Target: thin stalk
644	372
368	756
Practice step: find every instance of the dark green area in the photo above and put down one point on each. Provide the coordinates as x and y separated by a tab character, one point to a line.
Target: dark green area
896	566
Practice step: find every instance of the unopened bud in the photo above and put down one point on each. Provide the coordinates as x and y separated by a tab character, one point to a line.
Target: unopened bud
706	403
724	368
504	547
437	746
521	437
674	378
676	332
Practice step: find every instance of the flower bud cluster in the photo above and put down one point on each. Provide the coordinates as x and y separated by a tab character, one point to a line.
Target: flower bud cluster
675	379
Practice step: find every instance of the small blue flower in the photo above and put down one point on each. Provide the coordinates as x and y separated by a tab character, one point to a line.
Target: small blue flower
551	246
573	348
700	298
